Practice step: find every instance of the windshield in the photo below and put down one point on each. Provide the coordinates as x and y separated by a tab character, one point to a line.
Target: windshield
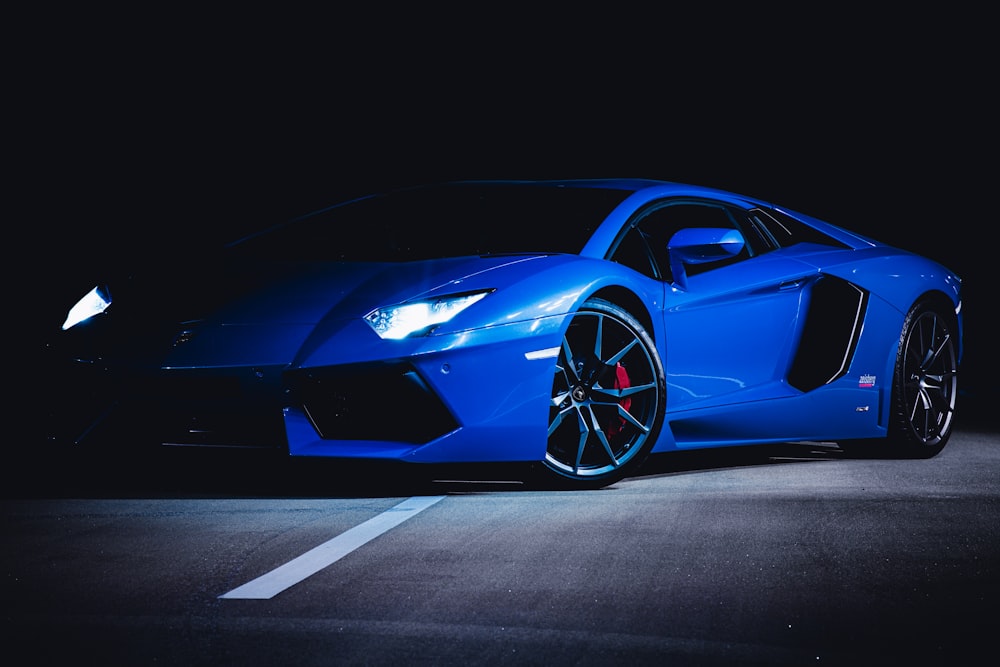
443	221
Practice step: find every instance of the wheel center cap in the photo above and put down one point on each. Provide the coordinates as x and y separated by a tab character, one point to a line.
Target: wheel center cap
579	393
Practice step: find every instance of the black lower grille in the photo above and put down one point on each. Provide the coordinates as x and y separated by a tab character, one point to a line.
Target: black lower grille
108	405
221	428
371	403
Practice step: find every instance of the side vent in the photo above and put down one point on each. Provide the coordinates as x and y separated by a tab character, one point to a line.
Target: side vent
830	336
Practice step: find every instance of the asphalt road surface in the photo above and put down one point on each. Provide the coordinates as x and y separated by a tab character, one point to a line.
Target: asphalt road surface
763	556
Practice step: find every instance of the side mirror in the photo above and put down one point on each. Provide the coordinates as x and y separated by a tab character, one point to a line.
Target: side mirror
699	245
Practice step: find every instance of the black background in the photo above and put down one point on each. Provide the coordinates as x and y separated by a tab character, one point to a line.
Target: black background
156	132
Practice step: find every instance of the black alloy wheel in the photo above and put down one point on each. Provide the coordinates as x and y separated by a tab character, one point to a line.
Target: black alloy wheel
925	383
608	399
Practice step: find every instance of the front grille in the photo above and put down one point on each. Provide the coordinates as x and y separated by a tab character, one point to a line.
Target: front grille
215	427
177	408
221	410
385	403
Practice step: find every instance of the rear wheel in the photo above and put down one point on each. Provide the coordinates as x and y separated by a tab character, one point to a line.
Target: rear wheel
924	388
925	383
608	399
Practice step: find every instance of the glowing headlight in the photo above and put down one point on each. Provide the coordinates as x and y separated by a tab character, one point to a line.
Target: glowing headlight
94	302
417	317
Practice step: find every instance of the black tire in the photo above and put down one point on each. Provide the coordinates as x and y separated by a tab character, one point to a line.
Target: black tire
608	400
924	388
925	383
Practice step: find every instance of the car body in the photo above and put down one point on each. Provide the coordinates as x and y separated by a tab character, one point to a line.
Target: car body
576	326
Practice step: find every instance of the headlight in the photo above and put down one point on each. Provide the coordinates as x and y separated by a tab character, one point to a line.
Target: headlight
417	317
94	302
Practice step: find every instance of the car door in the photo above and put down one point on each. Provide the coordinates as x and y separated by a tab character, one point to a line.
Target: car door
731	323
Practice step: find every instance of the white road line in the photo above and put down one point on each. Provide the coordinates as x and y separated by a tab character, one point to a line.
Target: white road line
285	576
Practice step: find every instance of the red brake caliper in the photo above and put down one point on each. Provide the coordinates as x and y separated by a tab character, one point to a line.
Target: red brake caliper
621	382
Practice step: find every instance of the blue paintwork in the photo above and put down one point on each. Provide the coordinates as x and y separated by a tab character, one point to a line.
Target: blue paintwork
726	337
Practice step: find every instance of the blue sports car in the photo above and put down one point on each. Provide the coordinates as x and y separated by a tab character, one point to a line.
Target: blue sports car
574	326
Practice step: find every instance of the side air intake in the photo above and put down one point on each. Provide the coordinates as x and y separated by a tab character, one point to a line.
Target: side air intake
830	336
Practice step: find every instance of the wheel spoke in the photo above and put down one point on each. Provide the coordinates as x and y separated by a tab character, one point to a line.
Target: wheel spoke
605	395
558	420
920	404
621	354
599	337
569	367
629	391
611	395
614	397
603	438
627	416
558	398
582	444
936	353
938	400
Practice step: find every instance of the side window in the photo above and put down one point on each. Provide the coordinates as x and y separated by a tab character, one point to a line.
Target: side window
634	251
659	223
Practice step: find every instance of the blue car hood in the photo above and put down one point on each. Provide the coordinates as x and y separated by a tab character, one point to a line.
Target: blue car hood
242	293
310	293
264	313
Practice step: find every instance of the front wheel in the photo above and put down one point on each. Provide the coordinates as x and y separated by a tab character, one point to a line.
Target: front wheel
608	399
